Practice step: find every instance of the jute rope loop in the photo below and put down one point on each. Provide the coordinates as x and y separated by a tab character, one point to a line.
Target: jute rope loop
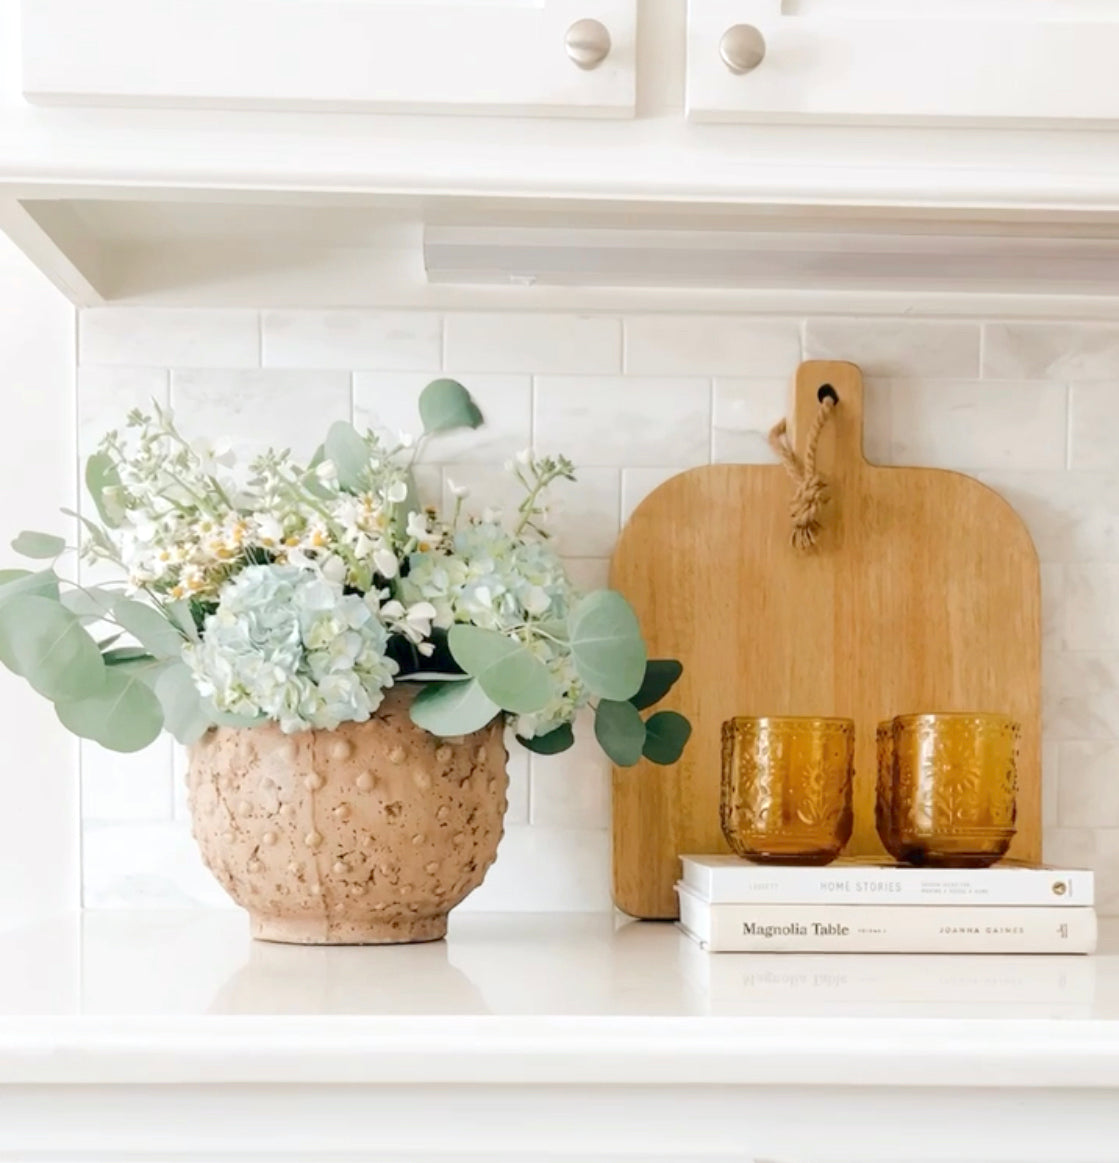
811	489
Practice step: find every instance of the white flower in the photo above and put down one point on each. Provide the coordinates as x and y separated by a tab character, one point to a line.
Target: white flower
406	439
397	492
459	492
326	471
384	560
414	622
269	531
334	569
213	455
524	457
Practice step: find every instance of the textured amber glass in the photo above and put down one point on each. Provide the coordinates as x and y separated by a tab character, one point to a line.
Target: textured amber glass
954	790
786	791
884	795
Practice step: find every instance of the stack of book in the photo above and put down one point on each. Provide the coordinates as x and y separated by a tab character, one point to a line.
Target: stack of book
728	905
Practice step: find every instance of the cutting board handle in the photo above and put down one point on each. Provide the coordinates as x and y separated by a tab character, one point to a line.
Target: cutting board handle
841	444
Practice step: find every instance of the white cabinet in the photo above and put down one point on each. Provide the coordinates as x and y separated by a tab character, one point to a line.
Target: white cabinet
397	56
983	62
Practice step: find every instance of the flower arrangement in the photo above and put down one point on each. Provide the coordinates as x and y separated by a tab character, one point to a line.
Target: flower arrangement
298	593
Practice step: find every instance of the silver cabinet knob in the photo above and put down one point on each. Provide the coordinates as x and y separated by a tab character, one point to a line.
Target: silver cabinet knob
742	48
587	43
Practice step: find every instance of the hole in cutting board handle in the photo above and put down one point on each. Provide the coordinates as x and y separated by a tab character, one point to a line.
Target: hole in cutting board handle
827	392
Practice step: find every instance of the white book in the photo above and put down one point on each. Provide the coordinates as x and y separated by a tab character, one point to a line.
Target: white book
731	880
761	928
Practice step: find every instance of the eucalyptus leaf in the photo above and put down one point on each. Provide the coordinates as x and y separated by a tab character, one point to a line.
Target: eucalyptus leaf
149	627
123	715
96	533
561	739
505	669
105	644
434	676
620	731
15	583
349	454
666	735
93	603
180	613
44	545
446	405
661	675
606	645
122	654
184	713
49	647
453	708
102	480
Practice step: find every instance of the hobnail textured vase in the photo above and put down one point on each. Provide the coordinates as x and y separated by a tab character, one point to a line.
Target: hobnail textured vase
367	834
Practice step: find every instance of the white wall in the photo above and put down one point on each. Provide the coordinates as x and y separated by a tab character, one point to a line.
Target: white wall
39	834
634	399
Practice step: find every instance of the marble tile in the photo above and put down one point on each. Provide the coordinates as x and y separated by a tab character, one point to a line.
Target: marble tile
588	573
541	870
257	409
1106	865
726	345
388	402
1052	606
582	514
638	483
895	348
1072	516
964	425
380	340
1080	696
572	790
1089	792
169	337
1092	445
1050	783
107	394
1091	619
1069	848
744	412
118	787
145	865
624	421
521	341
1050	351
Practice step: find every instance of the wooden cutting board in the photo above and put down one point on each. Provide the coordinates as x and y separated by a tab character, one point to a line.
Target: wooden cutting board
923	594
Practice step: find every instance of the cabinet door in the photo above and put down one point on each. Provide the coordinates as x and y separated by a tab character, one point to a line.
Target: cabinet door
396	56
986	62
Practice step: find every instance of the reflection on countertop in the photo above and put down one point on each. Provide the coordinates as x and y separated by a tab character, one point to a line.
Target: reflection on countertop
203	963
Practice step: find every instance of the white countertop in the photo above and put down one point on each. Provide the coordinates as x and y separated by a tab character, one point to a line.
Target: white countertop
184	997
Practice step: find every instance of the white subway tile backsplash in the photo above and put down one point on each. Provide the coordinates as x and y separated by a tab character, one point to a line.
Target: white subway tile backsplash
171	337
572	789
523	342
1050	351
119	787
692	389
897	348
1092	444
624	421
1089	793
724	345
257	409
386	401
1091	607
353	340
958	425
107	394
744	411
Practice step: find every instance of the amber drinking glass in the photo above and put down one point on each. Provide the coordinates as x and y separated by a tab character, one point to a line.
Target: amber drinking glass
884	794
786	790
952	799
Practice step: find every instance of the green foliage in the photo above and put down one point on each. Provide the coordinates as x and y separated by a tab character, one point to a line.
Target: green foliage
349	454
506	670
11	575
43	545
15	583
149	627
661	675
619	729
666	735
606	645
446	405
561	739
182	616
49	647
103	482
453	708
95	534
122	654
91	604
122	714
184	713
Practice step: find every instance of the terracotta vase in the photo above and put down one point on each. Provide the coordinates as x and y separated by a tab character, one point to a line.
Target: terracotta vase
368	834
